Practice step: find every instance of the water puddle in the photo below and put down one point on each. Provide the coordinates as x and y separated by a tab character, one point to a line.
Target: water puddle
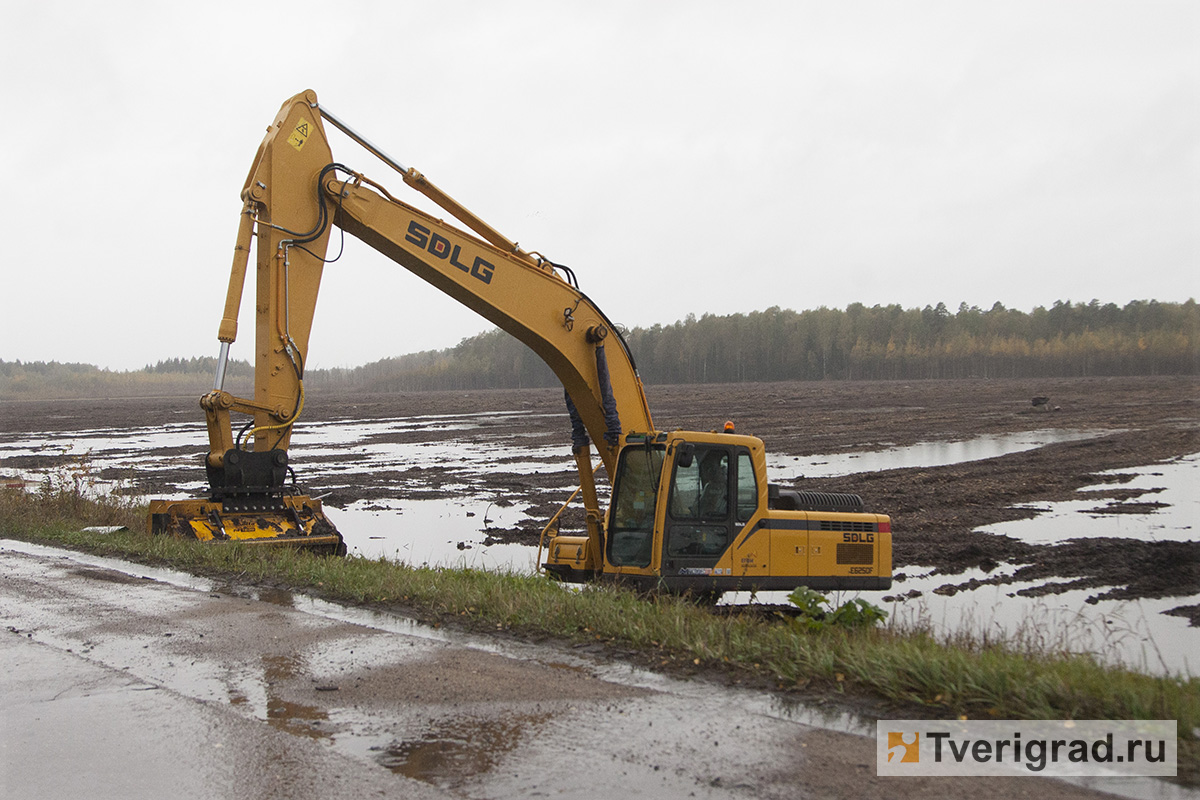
435	533
452	457
1160	503
288	715
457	749
144	441
1131	633
923	454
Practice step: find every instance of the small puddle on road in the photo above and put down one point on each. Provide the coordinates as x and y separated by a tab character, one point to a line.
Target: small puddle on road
457	749
288	715
278	597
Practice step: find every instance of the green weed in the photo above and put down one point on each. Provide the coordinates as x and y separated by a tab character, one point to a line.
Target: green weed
818	614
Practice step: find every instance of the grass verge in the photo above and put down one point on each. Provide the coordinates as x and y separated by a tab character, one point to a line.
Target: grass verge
899	673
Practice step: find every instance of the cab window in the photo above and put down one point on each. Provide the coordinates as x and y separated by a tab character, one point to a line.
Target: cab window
700	490
747	488
631	521
700	503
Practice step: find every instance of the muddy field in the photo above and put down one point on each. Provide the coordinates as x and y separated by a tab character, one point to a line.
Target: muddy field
936	511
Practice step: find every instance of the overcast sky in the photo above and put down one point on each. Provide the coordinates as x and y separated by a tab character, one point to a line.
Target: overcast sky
681	157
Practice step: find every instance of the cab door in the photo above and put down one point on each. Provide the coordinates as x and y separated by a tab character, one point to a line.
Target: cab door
702	508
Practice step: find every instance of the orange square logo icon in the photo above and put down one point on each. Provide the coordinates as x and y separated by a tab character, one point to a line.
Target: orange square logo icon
904	748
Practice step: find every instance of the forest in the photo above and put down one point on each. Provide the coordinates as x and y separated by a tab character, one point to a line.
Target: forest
856	343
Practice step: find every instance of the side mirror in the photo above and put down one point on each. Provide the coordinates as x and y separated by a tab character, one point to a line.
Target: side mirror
687	453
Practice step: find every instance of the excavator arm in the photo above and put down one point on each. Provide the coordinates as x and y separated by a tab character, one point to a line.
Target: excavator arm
295	191
293	196
691	511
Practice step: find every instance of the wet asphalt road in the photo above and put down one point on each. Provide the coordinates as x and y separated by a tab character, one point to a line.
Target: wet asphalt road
120	681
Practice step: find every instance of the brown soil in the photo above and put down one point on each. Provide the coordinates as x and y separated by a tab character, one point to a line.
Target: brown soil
935	511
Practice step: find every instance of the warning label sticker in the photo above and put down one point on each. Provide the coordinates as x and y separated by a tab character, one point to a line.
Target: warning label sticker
300	134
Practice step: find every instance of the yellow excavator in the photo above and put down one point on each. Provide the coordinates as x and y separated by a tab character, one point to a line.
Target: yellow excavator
690	511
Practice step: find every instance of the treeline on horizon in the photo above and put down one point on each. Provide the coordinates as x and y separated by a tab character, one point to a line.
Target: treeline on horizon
39	380
855	343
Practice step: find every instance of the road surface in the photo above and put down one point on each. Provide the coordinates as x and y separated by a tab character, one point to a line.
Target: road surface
126	682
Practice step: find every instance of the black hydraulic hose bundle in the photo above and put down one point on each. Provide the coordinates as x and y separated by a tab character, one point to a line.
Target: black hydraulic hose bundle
612	418
579	434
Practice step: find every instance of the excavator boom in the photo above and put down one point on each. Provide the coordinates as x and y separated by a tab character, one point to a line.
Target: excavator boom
533	303
292	197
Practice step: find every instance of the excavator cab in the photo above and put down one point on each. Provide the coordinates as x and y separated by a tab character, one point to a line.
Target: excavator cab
693	512
704	497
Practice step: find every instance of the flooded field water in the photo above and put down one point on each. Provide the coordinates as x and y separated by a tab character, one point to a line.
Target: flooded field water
431	503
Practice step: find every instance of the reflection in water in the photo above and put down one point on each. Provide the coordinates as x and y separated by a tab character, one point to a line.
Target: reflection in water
458	749
278	597
1162	505
1135	634
922	454
428	532
295	718
274	596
